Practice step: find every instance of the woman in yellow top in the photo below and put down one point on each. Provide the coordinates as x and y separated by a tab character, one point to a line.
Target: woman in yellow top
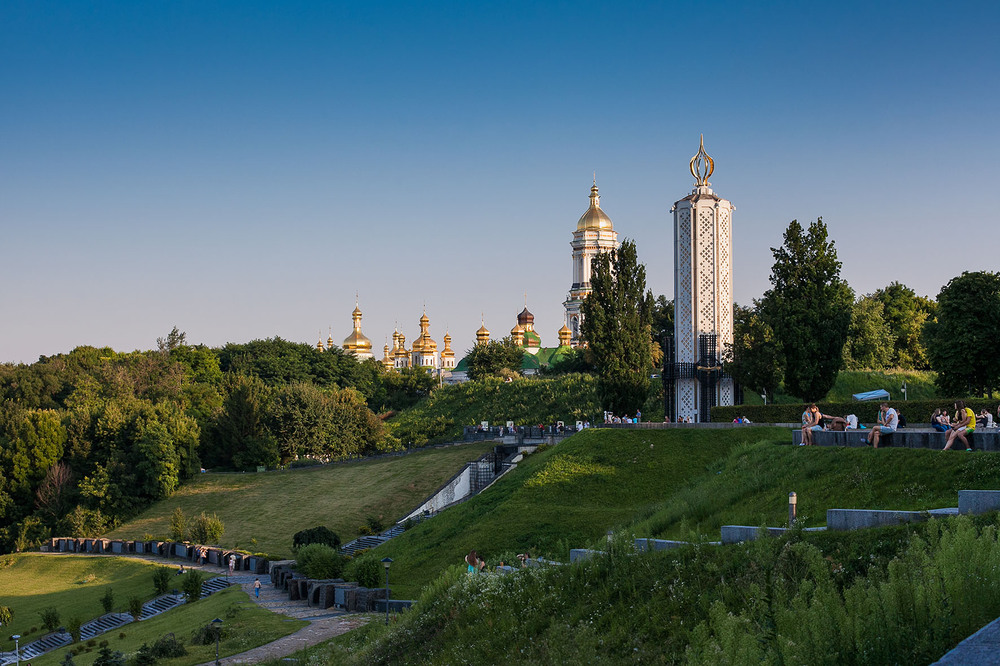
965	425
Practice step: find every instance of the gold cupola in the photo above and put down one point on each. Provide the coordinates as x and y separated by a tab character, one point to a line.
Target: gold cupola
517	333
356	343
447	354
319	343
388	357
565	336
594	219
329	340
482	335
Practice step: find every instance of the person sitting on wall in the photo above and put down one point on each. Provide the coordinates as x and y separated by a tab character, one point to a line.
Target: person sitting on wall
963	427
888	421
812	419
938	423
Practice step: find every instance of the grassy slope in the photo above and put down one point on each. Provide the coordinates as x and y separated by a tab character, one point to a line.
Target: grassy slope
919	386
271	507
688	484
565	497
74	584
751	485
245	626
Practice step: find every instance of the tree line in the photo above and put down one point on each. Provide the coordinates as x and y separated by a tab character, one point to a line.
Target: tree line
90	438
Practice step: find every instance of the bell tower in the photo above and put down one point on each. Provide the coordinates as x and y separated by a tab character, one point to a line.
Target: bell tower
703	299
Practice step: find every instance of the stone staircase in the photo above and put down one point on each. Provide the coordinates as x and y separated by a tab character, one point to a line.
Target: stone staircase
41	646
103	624
160	604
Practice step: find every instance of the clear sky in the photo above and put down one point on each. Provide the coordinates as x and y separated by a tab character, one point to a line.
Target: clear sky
242	169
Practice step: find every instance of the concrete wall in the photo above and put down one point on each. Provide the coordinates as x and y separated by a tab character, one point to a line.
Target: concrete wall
459	487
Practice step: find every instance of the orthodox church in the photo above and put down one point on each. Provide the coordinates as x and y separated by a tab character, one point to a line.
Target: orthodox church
594	233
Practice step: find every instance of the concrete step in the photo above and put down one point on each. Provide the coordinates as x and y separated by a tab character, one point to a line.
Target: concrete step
103	624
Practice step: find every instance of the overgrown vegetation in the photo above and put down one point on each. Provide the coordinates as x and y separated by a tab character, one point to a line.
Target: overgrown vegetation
888	596
440	418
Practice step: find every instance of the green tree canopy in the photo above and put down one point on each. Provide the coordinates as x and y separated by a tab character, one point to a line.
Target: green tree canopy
962	340
905	314
617	327
753	359
489	359
870	340
809	309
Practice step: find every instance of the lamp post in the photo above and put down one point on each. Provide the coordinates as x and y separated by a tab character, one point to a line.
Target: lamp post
792	502
17	648
386	561
217	624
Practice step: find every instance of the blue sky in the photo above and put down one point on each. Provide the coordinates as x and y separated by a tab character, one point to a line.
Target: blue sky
242	169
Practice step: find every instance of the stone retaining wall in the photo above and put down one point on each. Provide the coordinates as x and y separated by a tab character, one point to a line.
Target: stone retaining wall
166	549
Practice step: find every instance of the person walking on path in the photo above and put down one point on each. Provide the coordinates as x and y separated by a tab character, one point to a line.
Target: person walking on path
256	587
232	564
888	421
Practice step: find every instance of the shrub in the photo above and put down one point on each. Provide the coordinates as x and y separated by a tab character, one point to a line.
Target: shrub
319	561
374	524
206	634
191	586
50	618
108	600
319	534
207	529
367	571
73	627
109	657
178	525
135	608
68	659
168	647
161	580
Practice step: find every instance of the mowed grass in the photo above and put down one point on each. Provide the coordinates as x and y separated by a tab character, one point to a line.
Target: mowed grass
261	512
74	584
245	626
751	486
565	497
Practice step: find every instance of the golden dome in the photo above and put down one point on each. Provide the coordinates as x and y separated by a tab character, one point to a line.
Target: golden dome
594	219
357	341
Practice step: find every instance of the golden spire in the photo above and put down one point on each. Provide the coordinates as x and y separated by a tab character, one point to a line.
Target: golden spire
565	336
319	344
329	340
595	218
702	166
483	334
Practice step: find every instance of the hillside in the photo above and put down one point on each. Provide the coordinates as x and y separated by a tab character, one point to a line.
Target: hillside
673	483
261	512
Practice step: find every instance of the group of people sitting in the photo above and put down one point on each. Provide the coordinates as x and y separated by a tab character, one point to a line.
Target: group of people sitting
890	419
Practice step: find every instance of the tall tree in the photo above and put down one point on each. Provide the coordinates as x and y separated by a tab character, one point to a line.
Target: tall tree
617	326
962	340
905	313
870	340
809	309
753	359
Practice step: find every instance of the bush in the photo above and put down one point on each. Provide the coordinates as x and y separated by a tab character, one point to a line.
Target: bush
367	571
320	534
178	525
206	529
206	634
168	647
161	580
319	561
68	660
191	585
50	618
109	657
108	600
73	627
135	608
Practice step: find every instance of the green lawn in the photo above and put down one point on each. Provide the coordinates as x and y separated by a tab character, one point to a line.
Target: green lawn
751	485
565	497
261	512
245	626
74	584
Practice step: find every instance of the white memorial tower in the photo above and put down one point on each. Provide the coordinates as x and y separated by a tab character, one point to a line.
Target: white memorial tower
703	296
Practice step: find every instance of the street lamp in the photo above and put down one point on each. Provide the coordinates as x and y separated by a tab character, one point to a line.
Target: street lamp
17	648
386	561
217	625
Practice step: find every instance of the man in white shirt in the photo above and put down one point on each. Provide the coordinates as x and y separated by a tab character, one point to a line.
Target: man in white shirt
888	421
